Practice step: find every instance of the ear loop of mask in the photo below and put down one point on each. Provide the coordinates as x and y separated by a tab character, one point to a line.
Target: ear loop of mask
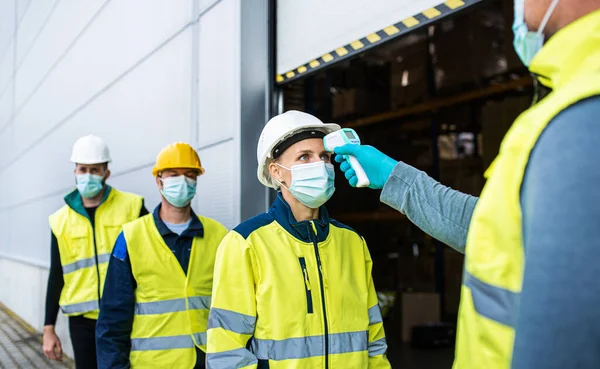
547	16
281	183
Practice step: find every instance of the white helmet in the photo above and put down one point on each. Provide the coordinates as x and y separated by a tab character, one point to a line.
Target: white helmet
277	130
90	149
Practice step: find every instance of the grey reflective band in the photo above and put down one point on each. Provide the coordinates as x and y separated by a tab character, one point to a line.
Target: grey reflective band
79	264
375	315
162	343
341	343
378	347
231	321
82	307
200	338
104	258
492	302
171	306
305	347
85	263
199	302
238	358
159	307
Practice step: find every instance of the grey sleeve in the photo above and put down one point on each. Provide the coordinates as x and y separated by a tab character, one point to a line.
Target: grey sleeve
558	323
439	211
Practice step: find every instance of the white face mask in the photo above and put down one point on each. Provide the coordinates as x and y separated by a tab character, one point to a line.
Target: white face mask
312	184
89	185
178	191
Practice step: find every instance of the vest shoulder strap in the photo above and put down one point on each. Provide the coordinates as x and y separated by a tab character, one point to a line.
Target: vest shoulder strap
58	220
130	199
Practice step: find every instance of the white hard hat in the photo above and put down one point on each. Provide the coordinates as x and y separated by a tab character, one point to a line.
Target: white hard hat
90	149
277	130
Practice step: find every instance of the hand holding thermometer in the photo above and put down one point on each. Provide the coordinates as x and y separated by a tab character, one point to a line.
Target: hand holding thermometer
343	137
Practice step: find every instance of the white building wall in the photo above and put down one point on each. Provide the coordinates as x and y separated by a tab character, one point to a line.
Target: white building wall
141	74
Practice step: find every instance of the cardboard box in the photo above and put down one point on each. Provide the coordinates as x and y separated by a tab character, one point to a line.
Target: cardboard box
418	308
352	102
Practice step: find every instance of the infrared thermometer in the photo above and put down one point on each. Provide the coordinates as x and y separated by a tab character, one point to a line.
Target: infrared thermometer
343	137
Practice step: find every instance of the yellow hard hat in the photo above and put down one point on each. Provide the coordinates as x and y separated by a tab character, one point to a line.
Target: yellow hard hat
177	155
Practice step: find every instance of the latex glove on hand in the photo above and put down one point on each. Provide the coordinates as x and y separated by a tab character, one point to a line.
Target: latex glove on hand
376	164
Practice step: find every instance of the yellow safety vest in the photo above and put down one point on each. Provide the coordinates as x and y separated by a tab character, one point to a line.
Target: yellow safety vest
495	259
85	250
171	310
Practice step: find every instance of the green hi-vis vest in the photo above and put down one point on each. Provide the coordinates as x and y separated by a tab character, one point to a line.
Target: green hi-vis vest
85	250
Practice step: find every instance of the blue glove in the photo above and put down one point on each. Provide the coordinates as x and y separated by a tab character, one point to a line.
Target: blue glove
376	164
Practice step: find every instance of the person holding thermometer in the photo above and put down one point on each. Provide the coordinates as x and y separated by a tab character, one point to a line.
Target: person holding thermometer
530	292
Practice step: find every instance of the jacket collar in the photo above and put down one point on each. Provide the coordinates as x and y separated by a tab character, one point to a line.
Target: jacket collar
74	201
303	230
195	229
572	50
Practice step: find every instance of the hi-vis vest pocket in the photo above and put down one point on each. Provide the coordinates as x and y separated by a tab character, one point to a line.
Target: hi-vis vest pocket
111	231
78	241
307	287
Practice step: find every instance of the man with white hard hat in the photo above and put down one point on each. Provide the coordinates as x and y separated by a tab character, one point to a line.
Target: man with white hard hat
84	231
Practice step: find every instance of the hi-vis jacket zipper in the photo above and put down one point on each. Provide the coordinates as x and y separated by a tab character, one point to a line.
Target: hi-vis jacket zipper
309	302
321	281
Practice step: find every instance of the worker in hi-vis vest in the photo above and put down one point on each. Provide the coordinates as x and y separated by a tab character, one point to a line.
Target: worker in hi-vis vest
293	287
83	235
530	296
158	289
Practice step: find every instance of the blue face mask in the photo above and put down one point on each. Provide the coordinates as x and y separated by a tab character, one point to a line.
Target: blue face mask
89	185
527	44
312	184
178	191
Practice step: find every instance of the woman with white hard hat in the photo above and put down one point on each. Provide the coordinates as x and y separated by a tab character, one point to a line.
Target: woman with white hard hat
293	287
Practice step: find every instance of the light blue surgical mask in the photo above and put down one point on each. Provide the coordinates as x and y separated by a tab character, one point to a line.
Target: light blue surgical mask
178	191
89	185
312	184
527	44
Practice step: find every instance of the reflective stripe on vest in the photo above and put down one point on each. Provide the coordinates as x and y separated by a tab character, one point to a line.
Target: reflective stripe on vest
82	307
172	306
305	347
238	358
292	348
492	302
167	342
231	321
375	315
378	347
85	263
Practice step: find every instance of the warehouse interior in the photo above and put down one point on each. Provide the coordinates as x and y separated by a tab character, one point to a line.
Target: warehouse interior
439	98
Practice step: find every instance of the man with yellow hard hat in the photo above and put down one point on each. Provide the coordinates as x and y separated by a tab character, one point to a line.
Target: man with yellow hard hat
84	231
158	288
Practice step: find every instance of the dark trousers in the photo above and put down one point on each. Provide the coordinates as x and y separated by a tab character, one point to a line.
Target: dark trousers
200	359
83	337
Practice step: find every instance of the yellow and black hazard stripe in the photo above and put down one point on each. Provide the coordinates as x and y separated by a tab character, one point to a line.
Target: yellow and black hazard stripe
407	25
